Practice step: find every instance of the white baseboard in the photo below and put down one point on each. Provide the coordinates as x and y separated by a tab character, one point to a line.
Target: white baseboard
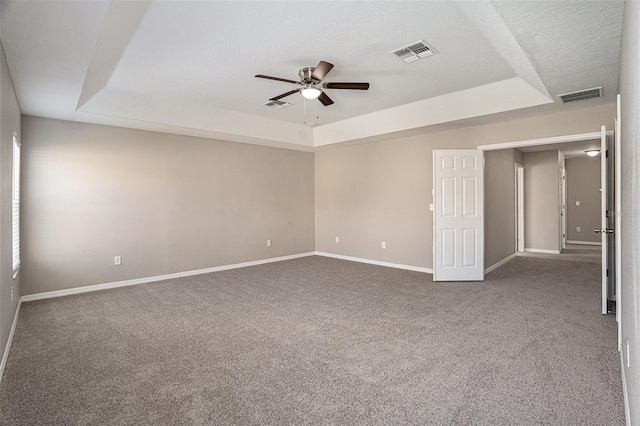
7	348
499	264
584	243
376	262
116	284
534	250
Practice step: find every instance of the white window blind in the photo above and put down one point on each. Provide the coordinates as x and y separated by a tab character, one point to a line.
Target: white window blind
15	212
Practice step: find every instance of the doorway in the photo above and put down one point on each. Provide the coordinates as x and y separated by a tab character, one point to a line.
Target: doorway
560	143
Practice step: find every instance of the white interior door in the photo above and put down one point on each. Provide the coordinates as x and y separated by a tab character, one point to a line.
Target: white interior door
603	215
458	217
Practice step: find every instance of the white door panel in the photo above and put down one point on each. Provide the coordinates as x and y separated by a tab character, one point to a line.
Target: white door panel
603	215
458	215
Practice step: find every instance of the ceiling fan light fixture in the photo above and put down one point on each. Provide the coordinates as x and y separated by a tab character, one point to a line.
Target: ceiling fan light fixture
311	92
592	152
312	86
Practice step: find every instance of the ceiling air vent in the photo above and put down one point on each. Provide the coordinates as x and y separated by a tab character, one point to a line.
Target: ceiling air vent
277	104
414	51
596	92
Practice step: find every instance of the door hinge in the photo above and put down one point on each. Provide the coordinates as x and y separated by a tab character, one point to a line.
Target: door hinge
606	153
607	273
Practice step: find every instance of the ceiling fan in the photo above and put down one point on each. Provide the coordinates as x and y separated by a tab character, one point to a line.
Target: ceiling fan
311	82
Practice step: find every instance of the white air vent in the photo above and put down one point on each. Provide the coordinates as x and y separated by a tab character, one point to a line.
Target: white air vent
414	51
596	92
277	104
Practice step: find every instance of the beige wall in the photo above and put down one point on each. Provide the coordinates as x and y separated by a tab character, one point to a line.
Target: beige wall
9	123
541	200
377	192
127	190
165	203
583	184
630	214
500	204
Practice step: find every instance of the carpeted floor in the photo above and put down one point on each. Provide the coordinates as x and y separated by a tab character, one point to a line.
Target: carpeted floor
322	341
573	253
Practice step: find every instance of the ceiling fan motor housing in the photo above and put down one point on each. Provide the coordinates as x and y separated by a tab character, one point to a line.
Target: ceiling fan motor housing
305	75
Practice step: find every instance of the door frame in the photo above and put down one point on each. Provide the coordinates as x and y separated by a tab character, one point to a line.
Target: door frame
519	185
544	141
618	219
563	207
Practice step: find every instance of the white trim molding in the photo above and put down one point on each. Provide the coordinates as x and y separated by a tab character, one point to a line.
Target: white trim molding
625	395
500	263
376	262
544	141
585	243
7	348
116	284
535	250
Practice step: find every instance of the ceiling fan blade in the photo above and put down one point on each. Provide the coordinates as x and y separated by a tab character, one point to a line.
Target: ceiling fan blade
284	95
352	86
326	101
321	70
277	79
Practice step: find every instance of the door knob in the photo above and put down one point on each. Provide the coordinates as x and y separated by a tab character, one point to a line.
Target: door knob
603	231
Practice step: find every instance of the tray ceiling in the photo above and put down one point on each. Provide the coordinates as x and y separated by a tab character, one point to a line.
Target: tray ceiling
188	67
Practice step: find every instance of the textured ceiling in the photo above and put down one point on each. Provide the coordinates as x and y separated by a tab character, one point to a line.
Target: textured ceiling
188	67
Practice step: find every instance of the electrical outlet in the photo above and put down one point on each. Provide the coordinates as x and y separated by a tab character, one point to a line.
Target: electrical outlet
577	229
577	203
268	243
117	260
384	244
12	293
337	239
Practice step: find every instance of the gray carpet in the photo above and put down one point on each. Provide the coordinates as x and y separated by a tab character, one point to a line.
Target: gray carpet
322	341
573	253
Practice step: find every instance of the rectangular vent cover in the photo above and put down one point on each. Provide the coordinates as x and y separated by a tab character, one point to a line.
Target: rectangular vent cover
596	92
277	104
414	51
